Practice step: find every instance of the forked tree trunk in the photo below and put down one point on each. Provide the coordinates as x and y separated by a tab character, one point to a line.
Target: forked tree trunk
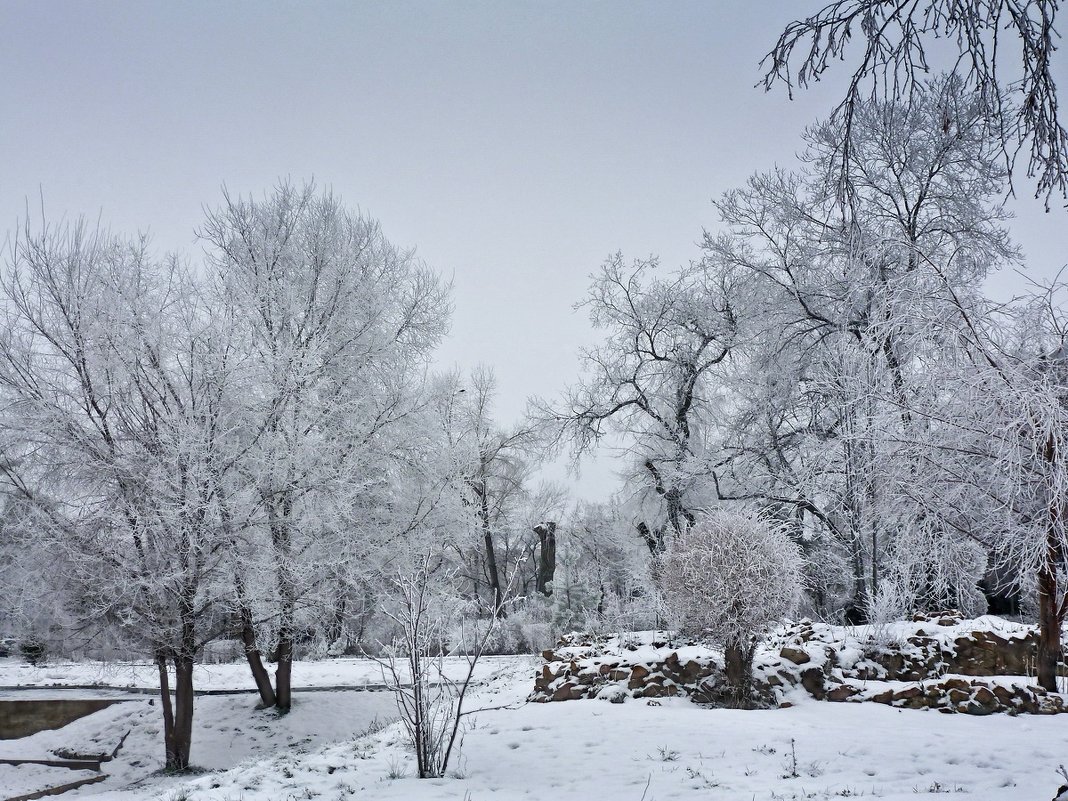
177	711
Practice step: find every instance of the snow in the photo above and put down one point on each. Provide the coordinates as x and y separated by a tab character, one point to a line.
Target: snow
16	780
576	750
327	673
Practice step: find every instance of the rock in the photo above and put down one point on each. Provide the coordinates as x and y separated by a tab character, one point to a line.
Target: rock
1003	694
957	696
544	679
906	693
812	681
973	708
563	692
795	655
691	672
659	690
843	692
638	675
885	697
548	655
830	655
985	698
984	653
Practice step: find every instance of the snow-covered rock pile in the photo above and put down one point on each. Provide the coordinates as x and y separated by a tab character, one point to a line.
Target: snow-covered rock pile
931	662
644	664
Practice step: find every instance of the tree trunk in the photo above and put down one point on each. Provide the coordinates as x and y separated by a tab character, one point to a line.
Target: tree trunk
856	611
183	711
491	554
284	673
281	539
738	666
171	761
1050	612
1049	630
255	661
284	651
546	556
1050	608
653	539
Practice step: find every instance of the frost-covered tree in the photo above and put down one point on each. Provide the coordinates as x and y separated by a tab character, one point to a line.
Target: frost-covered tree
113	378
853	306
497	463
603	574
999	440
334	324
730	576
652	383
1005	51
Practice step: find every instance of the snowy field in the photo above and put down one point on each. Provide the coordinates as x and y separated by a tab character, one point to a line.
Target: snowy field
575	750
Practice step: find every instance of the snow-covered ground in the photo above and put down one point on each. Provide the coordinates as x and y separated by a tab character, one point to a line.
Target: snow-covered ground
17	780
227	730
235	676
589	749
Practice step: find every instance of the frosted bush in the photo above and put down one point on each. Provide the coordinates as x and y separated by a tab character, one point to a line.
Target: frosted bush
729	577
887	606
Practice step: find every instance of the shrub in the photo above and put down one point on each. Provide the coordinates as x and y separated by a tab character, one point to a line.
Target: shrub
729	577
33	651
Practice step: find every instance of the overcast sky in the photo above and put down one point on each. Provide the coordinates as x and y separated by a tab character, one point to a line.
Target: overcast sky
515	145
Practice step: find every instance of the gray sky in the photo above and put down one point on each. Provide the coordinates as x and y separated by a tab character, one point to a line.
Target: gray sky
514	144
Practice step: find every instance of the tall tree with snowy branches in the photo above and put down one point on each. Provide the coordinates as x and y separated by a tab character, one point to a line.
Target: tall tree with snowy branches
336	322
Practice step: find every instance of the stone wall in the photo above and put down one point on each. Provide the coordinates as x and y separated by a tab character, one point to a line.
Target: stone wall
938	663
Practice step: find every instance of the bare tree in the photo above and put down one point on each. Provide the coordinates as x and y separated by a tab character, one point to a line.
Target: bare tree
113	377
334	321
1004	50
497	462
852	303
1002	445
429	697
651	383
